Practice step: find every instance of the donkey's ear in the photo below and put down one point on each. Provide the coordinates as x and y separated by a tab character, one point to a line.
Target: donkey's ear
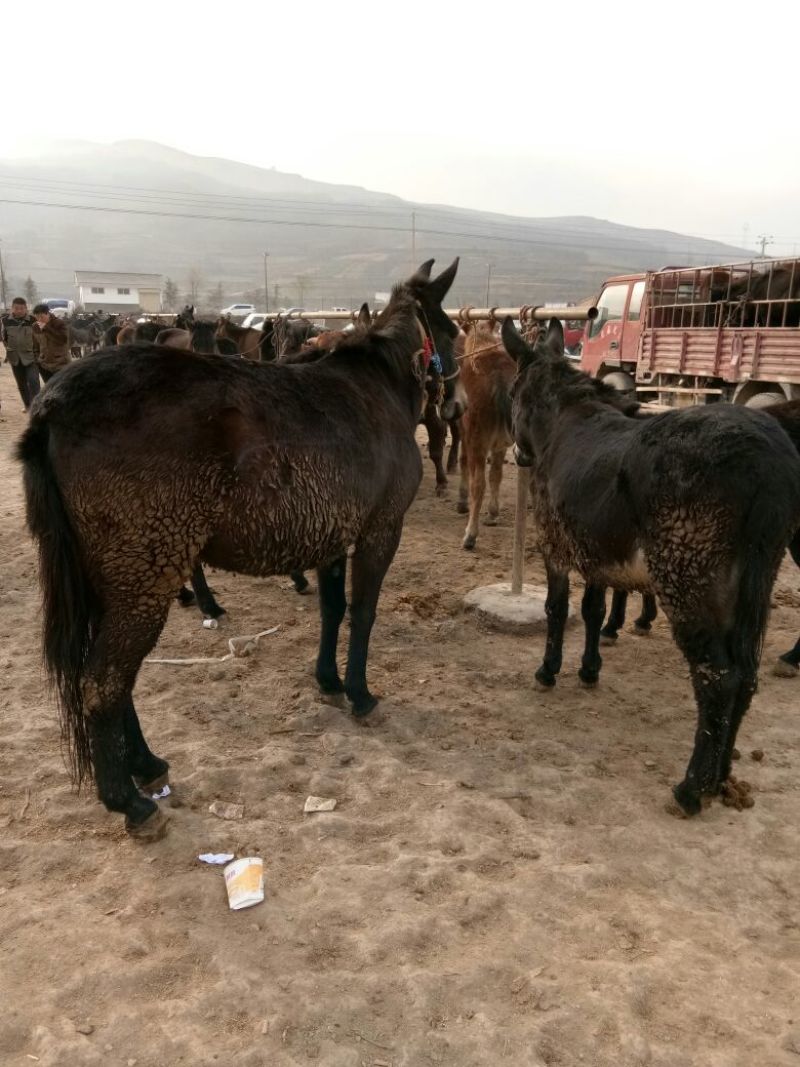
513	342
423	273
364	318
555	337
440	287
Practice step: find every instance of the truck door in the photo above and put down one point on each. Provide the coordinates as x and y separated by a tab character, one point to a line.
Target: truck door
603	339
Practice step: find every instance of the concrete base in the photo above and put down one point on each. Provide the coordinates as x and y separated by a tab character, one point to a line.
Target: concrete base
500	609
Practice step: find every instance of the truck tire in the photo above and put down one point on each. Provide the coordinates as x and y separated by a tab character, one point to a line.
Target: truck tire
620	381
764	400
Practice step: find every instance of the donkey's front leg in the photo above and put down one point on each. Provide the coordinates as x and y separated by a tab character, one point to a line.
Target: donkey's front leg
205	598
642	625
557	608
593	610
437	434
370	563
616	617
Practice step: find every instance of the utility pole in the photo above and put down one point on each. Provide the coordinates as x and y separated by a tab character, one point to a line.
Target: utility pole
266	283
2	283
764	240
413	240
488	283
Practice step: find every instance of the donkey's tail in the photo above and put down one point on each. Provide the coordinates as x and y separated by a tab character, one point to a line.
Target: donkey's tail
70	605
759	562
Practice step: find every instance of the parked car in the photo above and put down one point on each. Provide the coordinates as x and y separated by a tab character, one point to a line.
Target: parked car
254	321
238	311
60	306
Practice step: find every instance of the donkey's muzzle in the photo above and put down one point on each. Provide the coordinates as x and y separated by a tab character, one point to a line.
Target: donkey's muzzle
522	459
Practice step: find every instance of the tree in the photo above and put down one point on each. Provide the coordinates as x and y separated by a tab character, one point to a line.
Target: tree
195	284
30	290
216	297
171	295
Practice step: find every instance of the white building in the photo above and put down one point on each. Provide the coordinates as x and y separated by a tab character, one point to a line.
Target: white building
113	291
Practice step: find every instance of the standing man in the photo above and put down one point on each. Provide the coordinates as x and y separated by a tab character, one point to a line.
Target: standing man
16	332
51	340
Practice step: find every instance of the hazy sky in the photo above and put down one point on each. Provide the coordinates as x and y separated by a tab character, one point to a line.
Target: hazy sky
679	115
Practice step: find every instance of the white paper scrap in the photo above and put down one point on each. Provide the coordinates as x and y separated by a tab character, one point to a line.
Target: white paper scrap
216	857
318	804
165	792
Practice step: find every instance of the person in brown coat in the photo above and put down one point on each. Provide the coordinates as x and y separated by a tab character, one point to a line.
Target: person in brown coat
50	342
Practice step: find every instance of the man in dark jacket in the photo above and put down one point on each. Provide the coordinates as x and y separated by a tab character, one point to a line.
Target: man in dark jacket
16	333
51	341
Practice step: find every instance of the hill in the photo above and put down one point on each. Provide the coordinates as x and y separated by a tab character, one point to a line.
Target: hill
206	223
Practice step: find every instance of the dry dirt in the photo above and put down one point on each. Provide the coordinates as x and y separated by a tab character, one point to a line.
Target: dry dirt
500	882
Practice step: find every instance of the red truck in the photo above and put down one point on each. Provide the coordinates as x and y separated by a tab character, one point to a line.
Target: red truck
698	335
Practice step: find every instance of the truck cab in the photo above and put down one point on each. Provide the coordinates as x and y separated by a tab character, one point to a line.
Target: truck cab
611	341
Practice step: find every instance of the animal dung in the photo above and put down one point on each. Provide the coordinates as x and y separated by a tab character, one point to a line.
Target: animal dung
313	804
224	810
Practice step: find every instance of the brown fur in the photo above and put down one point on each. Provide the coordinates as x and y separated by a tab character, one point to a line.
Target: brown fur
487	372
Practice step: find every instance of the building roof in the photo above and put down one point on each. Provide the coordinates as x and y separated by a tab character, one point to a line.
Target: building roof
105	277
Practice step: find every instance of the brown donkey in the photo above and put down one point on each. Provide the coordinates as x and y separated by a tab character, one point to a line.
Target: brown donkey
487	372
142	463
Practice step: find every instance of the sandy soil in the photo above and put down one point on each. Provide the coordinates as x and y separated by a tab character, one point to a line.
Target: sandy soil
500	882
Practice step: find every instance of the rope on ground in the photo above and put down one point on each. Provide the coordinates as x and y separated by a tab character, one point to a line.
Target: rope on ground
238	647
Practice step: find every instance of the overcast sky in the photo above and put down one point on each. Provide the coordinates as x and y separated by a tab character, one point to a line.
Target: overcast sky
679	115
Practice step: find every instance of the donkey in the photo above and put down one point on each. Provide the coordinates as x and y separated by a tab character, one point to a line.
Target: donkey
252	344
255	469
787	665
487	373
695	505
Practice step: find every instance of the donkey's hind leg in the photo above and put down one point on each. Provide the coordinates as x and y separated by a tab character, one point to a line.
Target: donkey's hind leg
299	581
593	610
556	608
332	606
717	683
437	433
148	771
476	465
124	638
496	463
788	665
616	617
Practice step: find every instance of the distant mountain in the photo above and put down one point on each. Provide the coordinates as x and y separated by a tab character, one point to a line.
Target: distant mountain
206	223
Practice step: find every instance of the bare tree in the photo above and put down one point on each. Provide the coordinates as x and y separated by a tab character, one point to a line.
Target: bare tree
195	283
31	291
171	295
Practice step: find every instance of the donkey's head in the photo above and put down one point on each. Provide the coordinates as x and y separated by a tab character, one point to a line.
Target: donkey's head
440	331
546	384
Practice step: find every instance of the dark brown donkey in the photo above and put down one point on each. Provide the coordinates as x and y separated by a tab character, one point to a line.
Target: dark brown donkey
252	344
487	372
256	469
695	505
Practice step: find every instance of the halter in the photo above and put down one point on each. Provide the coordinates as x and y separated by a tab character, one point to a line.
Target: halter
429	349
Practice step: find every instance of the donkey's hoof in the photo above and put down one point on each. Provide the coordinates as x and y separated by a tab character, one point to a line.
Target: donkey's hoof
608	639
157	784
462	507
153	828
641	631
441	488
491	520
784	669
363	705
544	679
469	542
588	680
330	685
686	801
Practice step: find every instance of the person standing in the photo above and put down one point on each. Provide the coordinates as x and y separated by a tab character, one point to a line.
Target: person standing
51	341
16	333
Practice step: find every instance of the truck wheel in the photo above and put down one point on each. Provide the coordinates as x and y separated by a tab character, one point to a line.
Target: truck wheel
764	400
620	381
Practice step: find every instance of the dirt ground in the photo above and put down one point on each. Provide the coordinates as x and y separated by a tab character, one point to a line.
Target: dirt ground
500	882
